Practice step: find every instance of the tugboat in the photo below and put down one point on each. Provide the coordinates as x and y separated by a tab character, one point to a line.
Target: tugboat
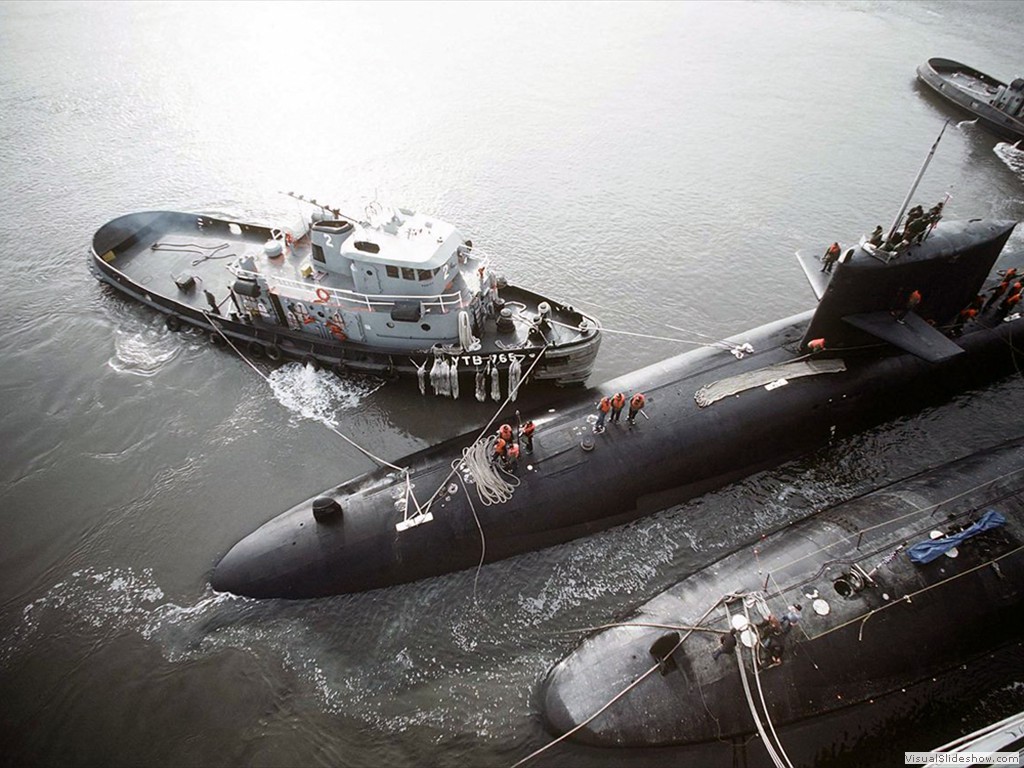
860	600
394	293
999	107
895	328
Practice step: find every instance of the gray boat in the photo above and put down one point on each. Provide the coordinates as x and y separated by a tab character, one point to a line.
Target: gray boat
999	107
392	293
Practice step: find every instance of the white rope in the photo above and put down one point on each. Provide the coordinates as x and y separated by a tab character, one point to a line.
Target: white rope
469	342
488	426
496	384
714	345
330	426
491	487
421	375
776	760
453	379
760	693
481	384
515	372
483	541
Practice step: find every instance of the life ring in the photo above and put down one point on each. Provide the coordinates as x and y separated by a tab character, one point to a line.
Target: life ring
274	353
323	295
173	323
256	349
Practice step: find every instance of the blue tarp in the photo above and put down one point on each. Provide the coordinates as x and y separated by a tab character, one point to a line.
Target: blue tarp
926	551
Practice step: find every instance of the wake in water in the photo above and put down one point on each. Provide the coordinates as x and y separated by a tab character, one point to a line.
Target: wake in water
1012	156
143	353
319	395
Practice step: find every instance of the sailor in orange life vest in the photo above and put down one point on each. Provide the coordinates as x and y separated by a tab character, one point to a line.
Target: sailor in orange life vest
830	258
912	301
505	432
500	447
512	458
602	413
816	345
636	405
618	401
527	434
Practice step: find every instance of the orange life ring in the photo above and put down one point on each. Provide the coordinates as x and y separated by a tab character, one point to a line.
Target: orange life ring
322	295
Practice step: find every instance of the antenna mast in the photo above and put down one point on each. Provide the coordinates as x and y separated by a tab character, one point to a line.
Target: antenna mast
913	189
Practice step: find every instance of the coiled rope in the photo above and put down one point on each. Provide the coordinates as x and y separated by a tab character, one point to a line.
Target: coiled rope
491	487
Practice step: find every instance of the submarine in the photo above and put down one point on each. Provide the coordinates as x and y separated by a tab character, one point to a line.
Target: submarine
860	600
712	416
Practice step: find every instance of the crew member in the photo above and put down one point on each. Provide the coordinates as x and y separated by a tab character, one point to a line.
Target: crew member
727	644
512	458
816	345
998	291
966	314
527	434
636	404
934	214
876	236
790	618
500	446
830	258
912	302
1010	302
505	432
618	401
602	413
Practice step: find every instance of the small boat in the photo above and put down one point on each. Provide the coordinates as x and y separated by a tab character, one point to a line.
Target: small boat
998	106
395	292
858	601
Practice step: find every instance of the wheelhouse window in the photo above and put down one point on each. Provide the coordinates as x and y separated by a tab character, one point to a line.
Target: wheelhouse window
318	254
425	274
408	274
392	271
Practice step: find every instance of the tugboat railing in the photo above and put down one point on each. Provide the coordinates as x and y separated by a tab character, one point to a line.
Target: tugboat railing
445	302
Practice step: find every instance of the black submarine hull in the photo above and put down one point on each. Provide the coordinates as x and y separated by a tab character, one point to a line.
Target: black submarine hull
906	623
683	450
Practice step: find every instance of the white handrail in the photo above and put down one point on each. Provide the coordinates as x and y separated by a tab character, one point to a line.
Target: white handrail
445	301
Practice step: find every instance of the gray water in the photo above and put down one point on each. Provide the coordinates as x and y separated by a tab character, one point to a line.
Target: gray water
657	164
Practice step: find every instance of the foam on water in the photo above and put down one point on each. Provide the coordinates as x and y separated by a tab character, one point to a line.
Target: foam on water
319	395
1012	156
144	352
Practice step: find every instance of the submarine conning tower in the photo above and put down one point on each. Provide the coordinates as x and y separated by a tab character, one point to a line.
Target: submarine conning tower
870	289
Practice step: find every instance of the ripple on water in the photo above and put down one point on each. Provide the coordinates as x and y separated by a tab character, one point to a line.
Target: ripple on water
1012	156
143	352
319	395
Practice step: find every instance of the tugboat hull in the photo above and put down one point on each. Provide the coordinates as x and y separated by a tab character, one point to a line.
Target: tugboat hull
176	264
999	107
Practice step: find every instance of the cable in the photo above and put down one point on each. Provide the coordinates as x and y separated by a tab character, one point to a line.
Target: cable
331	427
617	696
